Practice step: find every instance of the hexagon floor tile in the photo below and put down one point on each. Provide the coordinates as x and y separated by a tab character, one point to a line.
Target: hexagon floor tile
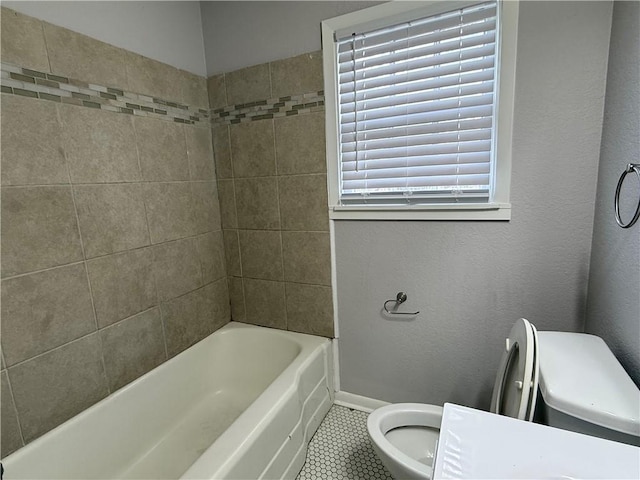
341	450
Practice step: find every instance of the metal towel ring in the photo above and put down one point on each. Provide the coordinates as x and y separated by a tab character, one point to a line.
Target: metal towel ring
401	297
631	167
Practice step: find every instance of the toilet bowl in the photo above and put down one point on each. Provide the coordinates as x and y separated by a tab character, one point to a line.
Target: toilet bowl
405	435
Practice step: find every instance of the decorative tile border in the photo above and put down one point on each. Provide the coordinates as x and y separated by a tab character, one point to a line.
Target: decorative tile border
271	108
46	86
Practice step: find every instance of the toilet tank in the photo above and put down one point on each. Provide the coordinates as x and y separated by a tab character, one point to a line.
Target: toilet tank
584	388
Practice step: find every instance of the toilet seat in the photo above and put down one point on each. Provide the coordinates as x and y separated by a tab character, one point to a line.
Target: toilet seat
515	389
390	417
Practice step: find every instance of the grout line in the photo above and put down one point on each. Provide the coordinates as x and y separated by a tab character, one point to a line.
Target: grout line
226	96
164	334
144	200
270	82
104	365
15	406
120	252
46	46
286	313
50	350
79	184
12	277
93	305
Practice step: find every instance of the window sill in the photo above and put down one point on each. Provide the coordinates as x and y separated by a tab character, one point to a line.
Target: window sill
444	212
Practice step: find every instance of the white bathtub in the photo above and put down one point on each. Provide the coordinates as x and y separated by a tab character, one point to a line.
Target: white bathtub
242	403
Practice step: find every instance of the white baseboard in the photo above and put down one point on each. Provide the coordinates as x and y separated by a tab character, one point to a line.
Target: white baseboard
358	402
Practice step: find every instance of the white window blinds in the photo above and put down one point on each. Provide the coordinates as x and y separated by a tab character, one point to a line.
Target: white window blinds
416	110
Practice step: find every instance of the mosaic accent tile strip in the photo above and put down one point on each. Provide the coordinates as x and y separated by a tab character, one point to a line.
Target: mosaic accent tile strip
341	449
46	86
31	83
270	108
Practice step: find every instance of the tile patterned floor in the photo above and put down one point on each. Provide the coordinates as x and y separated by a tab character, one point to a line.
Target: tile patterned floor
341	450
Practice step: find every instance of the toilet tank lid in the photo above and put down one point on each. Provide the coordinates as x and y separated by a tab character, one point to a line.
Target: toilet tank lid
580	376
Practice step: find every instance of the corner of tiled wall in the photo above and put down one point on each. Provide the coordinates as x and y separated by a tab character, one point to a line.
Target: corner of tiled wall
269	144
112	248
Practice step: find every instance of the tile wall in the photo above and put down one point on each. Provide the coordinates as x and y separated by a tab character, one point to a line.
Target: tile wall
112	249
269	143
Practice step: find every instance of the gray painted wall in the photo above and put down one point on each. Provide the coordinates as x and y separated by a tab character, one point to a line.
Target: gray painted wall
613	307
241	34
170	32
472	280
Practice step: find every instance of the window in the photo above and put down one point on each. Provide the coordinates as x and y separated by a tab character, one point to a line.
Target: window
419	100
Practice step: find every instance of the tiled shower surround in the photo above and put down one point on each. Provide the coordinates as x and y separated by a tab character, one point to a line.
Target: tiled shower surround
272	187
113	240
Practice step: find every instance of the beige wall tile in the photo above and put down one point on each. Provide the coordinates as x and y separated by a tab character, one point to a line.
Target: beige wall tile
153	78
212	259
206	208
100	145
236	296
257	203
169	211
301	74
37	157
261	254
222	151
265	303
10	439
39	229
112	218
248	84
309	309
44	310
217	92
303	202
300	144
307	257
122	285
133	347
84	58
227	197
252	149
162	150
23	41
191	317
177	268
58	385
194	89
232	252
200	153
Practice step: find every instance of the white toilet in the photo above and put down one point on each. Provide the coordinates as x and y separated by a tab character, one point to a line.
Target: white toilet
574	378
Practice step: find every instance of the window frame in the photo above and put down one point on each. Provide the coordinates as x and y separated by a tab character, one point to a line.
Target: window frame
498	207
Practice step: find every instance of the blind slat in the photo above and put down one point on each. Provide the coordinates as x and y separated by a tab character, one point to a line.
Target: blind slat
365	62
460	57
440	159
428	139
420	75
422	117
426	181
418	150
416	98
457	125
390	112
